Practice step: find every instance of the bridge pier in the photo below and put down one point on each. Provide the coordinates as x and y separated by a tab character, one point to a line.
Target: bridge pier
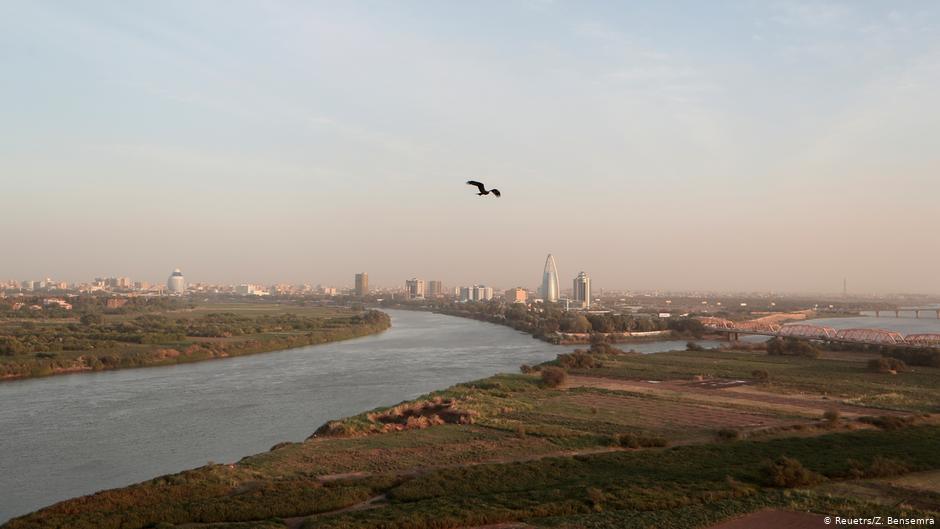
878	313
897	314
938	314
916	314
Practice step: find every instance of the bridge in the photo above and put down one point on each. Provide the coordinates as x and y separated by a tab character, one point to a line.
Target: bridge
916	310
816	332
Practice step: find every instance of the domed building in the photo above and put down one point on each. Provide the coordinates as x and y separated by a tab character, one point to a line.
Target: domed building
176	284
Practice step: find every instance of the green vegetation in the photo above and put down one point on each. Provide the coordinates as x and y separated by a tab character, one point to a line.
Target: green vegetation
792	347
546	321
627	440
19	307
886	365
553	377
98	341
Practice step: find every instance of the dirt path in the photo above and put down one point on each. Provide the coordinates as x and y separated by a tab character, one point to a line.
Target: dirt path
372	503
775	519
811	406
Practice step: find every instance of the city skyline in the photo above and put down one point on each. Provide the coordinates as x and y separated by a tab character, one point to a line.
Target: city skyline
136	283
734	146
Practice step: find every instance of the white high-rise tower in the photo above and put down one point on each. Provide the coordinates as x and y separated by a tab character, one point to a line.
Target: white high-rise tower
550	288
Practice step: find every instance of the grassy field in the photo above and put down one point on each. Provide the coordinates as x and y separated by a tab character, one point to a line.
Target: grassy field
681	439
31	348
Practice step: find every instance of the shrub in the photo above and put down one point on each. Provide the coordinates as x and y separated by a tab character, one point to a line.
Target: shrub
760	375
886	365
630	440
915	357
579	360
883	467
792	347
787	472
91	318
728	434
831	417
887	422
554	376
596	497
692	346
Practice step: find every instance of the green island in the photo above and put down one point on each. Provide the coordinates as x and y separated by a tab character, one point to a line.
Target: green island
160	331
597	438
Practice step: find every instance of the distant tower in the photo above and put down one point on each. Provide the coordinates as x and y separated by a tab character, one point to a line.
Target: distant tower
550	280
435	289
362	284
176	284
582	290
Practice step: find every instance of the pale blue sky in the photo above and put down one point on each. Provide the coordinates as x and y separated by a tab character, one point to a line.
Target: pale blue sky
695	145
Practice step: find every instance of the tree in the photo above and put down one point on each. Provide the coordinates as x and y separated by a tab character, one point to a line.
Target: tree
554	376
576	323
91	318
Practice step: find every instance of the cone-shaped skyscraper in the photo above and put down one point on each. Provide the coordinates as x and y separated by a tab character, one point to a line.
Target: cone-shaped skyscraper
550	280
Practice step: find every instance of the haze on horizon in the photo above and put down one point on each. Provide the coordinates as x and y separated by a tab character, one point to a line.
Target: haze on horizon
733	146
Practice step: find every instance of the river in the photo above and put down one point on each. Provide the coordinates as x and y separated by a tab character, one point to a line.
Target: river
70	435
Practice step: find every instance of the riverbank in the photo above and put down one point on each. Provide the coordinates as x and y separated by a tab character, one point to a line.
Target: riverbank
161	339
552	325
706	431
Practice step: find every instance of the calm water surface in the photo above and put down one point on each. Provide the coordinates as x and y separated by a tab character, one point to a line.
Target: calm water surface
71	435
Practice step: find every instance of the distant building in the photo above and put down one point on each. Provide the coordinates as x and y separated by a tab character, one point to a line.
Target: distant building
362	284
246	289
482	293
550	287
435	289
414	288
582	290
61	303
115	303
176	284
516	295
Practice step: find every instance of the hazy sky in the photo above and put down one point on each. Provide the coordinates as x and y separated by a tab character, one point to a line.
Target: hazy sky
700	145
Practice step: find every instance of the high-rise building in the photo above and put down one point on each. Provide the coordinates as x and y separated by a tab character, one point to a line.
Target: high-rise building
466	294
362	284
582	290
516	295
481	293
415	288
176	284
435	289
550	280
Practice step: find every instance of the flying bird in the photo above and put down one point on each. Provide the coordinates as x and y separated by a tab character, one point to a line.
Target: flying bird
482	188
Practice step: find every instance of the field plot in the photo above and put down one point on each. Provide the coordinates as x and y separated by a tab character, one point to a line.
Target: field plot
844	380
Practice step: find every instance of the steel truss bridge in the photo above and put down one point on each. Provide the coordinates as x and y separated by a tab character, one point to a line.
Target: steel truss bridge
816	332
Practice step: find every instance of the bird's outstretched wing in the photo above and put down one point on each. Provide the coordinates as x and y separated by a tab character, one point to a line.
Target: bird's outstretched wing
495	192
478	184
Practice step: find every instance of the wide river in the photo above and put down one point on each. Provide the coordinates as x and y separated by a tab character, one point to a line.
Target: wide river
71	435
